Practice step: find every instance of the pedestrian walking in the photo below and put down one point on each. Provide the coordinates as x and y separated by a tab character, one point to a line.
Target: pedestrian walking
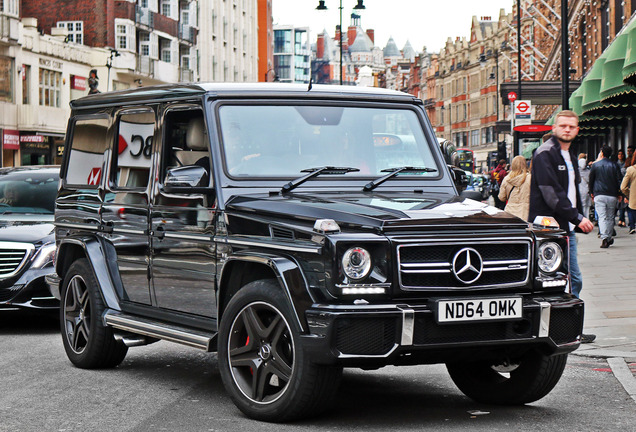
621	160
496	178
584	189
554	191
628	187
605	182
515	189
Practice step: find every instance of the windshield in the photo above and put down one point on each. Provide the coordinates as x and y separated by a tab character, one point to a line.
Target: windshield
282	140
28	192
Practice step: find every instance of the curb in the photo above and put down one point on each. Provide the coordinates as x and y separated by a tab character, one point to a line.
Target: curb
624	375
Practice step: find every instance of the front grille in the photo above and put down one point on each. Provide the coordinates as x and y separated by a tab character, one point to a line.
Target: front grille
365	336
431	265
566	324
13	256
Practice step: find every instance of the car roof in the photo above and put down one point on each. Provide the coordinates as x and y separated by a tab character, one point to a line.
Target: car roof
26	168
174	92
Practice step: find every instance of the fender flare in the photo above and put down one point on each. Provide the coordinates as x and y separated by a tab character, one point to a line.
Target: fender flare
96	255
288	274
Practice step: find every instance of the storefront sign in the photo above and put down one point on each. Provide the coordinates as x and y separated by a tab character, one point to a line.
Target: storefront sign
10	139
51	63
78	82
32	138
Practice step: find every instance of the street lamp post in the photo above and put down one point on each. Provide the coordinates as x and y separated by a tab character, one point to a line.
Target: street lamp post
109	65
565	56
321	7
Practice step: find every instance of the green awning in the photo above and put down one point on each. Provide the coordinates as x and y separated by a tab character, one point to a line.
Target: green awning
591	86
576	101
613	89
629	67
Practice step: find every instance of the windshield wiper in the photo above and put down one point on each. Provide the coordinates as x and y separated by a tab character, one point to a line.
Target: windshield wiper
393	172
315	172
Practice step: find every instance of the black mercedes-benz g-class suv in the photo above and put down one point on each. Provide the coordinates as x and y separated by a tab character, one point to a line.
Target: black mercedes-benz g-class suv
297	231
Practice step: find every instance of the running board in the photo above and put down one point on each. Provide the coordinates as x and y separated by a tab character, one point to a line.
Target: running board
147	327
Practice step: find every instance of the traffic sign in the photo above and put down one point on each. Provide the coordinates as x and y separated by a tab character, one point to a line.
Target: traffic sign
523	112
512	96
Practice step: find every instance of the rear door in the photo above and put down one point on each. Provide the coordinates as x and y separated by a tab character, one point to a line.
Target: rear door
125	215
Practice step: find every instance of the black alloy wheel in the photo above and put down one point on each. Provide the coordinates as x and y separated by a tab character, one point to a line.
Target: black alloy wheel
88	343
262	363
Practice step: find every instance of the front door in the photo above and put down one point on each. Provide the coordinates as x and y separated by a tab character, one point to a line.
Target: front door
182	223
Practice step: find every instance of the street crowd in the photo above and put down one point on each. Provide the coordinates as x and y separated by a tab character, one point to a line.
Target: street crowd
571	190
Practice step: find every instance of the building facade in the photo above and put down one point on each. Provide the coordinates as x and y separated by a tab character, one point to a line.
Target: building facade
292	54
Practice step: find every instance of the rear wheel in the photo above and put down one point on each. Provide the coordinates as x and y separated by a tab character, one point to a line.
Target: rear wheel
262	364
89	344
517	382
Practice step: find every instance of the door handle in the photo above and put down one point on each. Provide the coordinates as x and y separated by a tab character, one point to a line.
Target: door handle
107	227
159	232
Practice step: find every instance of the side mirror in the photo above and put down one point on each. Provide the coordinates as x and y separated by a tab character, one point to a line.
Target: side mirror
459	177
187	179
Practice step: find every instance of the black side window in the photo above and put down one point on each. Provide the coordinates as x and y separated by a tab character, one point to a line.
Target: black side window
87	153
133	149
185	141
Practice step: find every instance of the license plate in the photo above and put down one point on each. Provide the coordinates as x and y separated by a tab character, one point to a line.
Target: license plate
479	309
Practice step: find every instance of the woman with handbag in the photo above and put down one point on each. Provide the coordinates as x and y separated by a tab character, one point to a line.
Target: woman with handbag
515	189
628	187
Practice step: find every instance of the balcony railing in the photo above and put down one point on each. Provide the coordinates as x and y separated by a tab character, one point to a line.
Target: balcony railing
186	75
186	32
145	65
145	17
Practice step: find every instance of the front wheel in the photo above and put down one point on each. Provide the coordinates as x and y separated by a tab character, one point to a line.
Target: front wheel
261	360
514	382
89	344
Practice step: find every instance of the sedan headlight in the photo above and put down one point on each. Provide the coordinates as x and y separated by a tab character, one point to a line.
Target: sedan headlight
44	256
550	257
356	263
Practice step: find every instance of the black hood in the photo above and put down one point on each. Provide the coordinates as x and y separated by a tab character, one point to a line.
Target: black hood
26	231
384	211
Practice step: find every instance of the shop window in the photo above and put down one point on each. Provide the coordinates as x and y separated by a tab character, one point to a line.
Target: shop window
88	151
50	84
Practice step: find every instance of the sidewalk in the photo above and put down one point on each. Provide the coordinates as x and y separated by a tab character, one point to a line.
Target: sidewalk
609	292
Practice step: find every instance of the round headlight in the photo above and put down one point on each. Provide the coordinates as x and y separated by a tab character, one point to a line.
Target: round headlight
550	257
356	263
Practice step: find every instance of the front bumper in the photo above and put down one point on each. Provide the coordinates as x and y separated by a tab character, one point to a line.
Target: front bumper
359	335
30	290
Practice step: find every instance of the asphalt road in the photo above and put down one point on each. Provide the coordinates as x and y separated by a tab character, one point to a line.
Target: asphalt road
173	388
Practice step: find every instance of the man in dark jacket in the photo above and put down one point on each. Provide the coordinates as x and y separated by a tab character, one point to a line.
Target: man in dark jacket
554	190
605	182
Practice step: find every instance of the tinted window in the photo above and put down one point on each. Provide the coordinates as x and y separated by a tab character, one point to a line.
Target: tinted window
88	152
28	192
132	160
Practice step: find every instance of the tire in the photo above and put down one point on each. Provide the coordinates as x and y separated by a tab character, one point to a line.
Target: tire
527	380
89	344
261	360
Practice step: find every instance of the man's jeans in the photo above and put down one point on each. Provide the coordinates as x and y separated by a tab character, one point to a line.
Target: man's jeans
605	206
575	273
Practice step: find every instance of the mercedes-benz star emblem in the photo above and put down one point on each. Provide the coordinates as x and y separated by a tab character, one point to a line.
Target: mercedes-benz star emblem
467	265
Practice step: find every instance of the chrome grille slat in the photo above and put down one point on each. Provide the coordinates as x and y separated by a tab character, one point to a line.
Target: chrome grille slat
13	257
428	265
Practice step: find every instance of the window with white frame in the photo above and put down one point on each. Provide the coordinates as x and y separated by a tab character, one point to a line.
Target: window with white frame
50	85
166	50
75	30
144	44
11	7
124	34
166	9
